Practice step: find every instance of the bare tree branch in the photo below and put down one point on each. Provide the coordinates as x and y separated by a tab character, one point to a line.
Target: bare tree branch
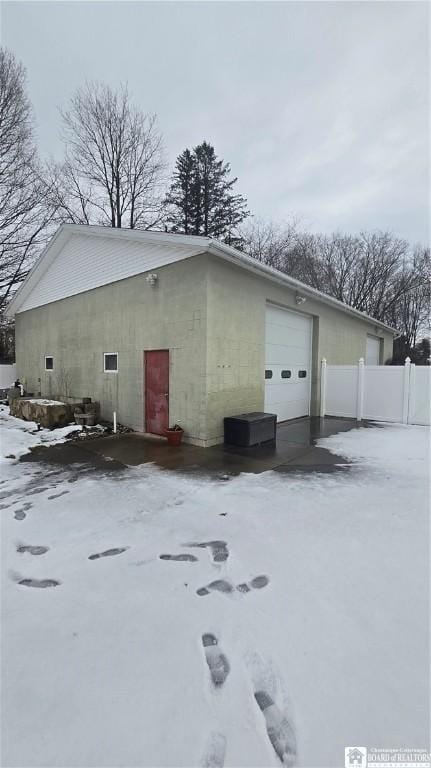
113	173
376	272
24	215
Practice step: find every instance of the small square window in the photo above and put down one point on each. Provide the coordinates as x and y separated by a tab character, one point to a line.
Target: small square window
268	374
110	362
286	374
49	363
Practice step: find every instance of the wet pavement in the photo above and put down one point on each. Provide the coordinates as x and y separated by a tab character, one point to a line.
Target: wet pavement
72	453
294	450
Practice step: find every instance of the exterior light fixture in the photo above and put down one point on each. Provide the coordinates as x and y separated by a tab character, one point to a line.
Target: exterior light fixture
151	279
300	299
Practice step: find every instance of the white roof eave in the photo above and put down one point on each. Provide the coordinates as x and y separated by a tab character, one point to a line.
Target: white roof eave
205	244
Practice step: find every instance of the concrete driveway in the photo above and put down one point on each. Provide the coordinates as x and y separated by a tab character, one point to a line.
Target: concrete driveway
295	450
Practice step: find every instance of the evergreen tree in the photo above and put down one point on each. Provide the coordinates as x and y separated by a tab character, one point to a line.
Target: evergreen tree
181	194
201	196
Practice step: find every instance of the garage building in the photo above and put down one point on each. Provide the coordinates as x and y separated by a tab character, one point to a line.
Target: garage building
165	329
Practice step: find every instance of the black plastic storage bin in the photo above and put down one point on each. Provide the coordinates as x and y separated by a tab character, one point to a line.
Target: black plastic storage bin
250	428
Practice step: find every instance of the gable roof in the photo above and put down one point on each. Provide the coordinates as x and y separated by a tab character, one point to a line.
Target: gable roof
143	251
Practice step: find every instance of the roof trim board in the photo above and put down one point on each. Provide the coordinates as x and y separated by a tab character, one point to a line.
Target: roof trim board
187	246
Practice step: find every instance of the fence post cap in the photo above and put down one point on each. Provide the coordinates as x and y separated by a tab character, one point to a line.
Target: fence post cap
324	360
407	361
361	361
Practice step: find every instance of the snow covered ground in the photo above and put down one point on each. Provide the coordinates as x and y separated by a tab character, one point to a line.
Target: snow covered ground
133	659
17	437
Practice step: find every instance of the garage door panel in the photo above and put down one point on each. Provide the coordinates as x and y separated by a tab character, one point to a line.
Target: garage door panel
278	355
276	316
286	375
287	363
277	334
372	351
289	410
287	392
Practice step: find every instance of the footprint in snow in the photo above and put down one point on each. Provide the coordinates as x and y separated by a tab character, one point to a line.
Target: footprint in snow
273	703
217	662
108	553
39	583
278	728
33	550
20	514
179	558
257	583
219	549
57	495
221	585
215	751
38	490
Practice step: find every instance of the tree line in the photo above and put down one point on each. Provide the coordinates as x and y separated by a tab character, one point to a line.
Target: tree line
114	173
375	272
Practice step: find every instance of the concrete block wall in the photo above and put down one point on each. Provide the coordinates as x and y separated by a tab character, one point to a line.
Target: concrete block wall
126	317
237	303
235	352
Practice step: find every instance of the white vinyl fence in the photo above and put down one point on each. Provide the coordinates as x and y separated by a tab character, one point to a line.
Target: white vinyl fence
399	393
7	375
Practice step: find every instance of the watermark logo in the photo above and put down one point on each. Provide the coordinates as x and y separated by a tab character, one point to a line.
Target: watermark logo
355	757
372	757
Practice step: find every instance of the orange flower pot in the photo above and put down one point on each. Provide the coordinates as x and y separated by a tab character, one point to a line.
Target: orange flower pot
174	435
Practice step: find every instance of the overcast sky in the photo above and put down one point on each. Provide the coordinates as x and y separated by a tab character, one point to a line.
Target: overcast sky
321	108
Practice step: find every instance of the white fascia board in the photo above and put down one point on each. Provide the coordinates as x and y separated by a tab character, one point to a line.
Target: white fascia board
46	257
205	245
142	235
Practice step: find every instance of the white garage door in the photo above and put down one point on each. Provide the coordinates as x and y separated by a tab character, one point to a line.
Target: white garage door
373	351
287	363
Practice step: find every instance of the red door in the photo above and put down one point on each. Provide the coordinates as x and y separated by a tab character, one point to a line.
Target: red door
156	391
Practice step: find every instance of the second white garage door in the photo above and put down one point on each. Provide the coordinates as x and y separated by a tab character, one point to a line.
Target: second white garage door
287	363
373	351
